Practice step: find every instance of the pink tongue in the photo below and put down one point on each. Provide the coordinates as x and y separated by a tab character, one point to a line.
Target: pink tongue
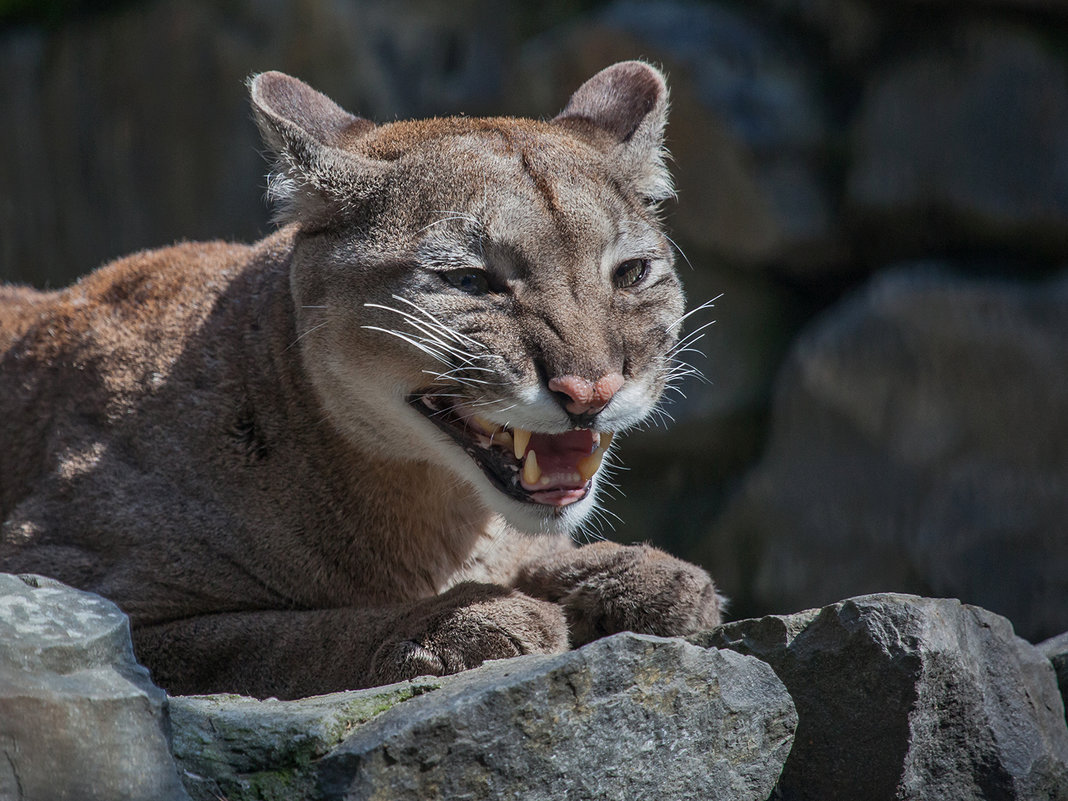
559	454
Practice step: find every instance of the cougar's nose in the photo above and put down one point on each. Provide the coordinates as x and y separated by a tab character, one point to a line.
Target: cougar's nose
585	397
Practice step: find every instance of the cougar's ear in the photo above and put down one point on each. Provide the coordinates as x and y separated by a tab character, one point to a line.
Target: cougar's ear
317	170
625	108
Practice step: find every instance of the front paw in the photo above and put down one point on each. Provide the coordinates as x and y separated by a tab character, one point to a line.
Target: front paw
606	588
464	627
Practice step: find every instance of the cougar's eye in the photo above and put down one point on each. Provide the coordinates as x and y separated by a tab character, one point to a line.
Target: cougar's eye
630	273
471	281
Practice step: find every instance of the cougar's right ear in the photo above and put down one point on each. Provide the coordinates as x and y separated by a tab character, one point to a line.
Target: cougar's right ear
316	171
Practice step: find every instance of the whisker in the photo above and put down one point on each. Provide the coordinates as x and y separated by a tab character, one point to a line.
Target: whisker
444	220
708	304
438	322
309	331
426	348
680	250
425	329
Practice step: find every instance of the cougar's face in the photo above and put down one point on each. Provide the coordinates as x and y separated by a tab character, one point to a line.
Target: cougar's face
492	297
504	311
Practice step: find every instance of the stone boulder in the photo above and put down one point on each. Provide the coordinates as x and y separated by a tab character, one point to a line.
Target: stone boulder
910	698
918	444
234	747
625	717
962	143
1055	649
79	719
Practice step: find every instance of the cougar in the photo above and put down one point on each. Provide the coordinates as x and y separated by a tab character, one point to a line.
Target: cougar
360	450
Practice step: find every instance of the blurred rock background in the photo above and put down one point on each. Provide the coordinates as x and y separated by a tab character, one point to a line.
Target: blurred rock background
877	188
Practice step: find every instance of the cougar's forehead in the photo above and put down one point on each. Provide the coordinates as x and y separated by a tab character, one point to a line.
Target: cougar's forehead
525	184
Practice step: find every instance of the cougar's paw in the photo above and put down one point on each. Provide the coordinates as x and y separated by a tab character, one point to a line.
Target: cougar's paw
464	627
606	588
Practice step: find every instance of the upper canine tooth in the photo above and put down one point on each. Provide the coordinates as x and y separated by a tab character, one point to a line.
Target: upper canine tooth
520	440
605	440
591	464
531	471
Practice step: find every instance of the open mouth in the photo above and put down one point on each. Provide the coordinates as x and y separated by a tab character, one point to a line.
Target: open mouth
550	469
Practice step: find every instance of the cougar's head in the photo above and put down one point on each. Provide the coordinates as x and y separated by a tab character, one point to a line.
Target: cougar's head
492	296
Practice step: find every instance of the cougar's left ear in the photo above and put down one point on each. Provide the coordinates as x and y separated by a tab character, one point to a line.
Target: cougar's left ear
625	107
318	168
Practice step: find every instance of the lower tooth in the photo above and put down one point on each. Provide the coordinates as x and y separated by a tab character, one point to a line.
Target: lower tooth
531	471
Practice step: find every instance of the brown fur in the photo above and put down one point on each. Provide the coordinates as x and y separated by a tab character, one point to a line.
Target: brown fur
218	437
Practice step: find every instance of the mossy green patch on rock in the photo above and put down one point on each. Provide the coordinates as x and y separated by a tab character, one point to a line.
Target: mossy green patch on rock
242	748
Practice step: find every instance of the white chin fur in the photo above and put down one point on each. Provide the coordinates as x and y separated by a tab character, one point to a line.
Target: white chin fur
534	518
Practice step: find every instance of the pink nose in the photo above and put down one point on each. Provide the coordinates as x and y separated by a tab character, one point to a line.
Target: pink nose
587	397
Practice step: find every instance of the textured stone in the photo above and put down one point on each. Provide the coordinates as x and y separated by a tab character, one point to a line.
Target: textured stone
917	445
79	718
1055	649
905	698
964	143
239	748
625	717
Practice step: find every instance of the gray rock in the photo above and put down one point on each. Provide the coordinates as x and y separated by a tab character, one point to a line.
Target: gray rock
1055	649
625	717
847	31
905	698
238	748
918	444
964	143
79	718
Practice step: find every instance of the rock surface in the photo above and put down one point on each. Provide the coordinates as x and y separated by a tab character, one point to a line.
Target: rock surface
626	717
983	158
79	719
233	747
1055	649
904	698
918	444
889	696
